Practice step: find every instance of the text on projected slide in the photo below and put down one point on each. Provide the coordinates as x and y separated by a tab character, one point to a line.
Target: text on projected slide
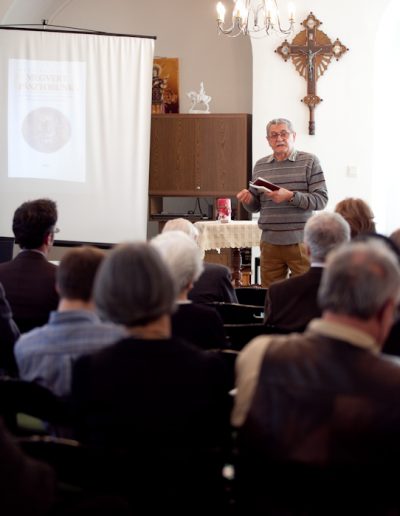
47	120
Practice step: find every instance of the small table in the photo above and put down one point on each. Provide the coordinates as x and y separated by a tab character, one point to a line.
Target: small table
234	234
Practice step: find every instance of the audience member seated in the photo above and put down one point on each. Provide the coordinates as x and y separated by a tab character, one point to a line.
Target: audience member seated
215	283
9	333
160	399
28	487
395	238
328	395
46	355
291	304
194	322
358	214
29	279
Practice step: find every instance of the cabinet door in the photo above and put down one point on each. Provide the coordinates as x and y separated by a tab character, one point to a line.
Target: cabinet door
172	158
222	154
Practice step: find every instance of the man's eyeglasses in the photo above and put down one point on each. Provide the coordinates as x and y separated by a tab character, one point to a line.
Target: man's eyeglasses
283	134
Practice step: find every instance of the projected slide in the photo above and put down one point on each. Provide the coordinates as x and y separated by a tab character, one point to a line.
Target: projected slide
47	120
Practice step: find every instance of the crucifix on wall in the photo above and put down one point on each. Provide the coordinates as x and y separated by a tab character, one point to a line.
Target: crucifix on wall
311	52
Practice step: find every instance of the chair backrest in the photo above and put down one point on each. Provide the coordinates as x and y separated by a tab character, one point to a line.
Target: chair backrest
228	356
152	481
235	313
22	397
251	295
271	329
238	335
262	486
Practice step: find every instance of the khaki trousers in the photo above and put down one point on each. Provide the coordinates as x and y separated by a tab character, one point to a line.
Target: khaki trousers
277	261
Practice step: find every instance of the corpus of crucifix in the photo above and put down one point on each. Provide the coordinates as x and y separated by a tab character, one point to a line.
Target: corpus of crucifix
311	52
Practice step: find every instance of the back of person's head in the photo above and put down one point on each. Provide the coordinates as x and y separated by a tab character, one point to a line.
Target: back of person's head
33	221
358	214
182	256
395	238
183	225
364	237
133	286
359	279
76	272
323	232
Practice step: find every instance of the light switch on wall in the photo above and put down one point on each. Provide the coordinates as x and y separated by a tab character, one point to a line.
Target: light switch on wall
351	171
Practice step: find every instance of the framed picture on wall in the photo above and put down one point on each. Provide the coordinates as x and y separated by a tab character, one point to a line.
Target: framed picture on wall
165	94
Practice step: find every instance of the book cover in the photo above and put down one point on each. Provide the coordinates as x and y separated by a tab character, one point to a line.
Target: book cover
262	184
47	120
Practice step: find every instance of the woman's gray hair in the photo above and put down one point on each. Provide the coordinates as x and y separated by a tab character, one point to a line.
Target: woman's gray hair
323	232
182	255
360	277
278	121
183	225
133	286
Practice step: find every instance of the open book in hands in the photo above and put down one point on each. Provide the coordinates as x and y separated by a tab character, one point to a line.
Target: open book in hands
263	185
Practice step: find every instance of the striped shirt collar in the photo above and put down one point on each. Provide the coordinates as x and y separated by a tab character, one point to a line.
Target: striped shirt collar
292	157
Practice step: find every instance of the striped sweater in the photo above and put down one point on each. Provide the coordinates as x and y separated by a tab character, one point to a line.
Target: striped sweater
283	224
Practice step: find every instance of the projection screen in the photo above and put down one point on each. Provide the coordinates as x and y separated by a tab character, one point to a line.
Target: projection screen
75	127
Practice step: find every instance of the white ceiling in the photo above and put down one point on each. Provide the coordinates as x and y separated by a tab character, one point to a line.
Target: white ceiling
30	11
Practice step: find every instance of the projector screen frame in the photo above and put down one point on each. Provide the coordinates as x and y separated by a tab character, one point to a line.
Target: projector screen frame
45	28
75	30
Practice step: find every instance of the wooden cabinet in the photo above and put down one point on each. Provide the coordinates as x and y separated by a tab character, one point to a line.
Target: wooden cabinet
200	155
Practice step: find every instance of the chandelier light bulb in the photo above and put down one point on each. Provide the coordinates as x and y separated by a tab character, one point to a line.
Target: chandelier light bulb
292	11
221	12
254	16
240	10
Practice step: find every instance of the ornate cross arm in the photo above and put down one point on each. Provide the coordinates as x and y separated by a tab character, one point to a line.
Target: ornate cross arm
311	52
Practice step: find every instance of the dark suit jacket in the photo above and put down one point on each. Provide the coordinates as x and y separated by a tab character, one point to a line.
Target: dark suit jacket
29	283
214	284
199	324
291	304
9	333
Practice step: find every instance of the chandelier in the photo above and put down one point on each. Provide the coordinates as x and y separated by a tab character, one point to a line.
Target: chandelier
254	16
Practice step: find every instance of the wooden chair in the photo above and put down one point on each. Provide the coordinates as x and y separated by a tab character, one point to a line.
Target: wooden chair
19	399
238	335
149	481
235	313
270	329
294	489
228	356
251	295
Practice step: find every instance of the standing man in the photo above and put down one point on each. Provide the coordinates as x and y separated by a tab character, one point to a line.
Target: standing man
285	211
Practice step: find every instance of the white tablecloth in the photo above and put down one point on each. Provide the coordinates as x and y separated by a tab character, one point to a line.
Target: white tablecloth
237	233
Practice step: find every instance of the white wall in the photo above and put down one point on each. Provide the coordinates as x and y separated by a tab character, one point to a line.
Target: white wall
184	29
344	120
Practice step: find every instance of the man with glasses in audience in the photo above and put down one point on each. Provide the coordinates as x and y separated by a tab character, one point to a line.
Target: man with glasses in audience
29	279
284	211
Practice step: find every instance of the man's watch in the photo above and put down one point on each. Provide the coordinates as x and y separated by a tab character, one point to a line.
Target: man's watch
292	199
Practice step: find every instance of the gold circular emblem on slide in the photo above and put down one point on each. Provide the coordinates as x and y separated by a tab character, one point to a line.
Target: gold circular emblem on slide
46	129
